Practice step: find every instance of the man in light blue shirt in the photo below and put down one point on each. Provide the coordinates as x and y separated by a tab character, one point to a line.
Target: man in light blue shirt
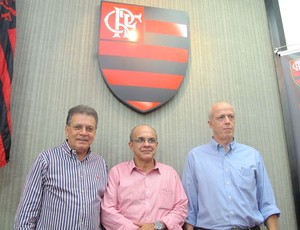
226	182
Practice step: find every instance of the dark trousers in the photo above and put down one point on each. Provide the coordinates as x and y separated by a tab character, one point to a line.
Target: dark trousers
253	228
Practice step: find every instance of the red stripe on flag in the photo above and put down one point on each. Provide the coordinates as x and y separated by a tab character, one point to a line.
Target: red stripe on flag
12	38
159	27
6	85
142	79
144	105
2	153
143	51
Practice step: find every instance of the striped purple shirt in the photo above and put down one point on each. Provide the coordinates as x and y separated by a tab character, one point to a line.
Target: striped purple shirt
62	192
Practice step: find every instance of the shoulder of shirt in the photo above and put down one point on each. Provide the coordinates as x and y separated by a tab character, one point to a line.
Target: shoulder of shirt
121	168
50	151
121	165
162	166
240	145
247	149
97	155
199	148
46	156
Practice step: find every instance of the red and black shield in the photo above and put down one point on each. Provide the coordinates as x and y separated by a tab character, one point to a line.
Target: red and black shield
143	53
295	70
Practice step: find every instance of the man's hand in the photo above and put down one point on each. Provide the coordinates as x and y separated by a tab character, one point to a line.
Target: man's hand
271	222
144	226
187	226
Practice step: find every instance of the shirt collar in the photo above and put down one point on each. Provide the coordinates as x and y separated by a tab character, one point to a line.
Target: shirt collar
217	146
72	152
132	165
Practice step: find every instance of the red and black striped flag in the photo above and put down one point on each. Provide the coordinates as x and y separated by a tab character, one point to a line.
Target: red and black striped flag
143	53
7	47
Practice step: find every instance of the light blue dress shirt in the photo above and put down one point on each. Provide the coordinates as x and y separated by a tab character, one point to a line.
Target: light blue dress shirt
227	190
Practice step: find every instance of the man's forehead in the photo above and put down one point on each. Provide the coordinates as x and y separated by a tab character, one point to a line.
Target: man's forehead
224	111
79	117
143	130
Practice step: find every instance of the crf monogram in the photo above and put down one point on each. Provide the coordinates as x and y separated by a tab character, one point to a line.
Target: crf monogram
125	22
296	65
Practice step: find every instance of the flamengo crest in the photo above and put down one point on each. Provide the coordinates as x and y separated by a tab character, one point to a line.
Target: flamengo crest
143	53
295	70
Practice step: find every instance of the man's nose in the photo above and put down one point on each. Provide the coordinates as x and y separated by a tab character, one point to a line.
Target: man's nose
227	119
83	130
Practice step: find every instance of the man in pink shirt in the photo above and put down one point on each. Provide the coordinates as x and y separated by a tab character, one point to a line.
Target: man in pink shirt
143	193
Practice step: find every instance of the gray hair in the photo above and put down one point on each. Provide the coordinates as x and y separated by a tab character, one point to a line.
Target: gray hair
82	109
133	129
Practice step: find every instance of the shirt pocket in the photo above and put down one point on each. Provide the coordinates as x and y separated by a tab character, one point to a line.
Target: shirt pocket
245	178
166	198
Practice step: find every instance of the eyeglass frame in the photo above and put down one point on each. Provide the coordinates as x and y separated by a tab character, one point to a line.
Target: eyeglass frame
142	140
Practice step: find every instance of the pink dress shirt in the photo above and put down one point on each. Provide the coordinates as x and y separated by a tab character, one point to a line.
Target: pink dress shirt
133	195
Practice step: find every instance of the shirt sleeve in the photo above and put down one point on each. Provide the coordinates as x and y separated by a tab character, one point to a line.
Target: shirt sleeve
176	217
190	186
29	207
265	195
111	218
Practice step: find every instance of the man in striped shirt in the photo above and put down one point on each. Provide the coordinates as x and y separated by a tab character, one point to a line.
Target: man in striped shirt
65	186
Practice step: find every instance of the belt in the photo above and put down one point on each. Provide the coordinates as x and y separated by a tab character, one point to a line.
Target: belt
235	228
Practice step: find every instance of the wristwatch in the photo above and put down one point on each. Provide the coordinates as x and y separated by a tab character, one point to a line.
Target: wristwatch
158	225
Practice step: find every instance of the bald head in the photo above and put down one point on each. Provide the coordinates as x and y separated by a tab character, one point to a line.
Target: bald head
221	120
217	106
132	132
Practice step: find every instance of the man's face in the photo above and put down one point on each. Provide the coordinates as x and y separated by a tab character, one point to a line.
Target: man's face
81	132
222	122
140	146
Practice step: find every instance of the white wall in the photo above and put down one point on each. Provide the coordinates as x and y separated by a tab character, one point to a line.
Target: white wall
290	14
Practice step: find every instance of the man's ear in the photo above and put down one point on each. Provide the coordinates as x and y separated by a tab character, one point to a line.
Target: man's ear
66	131
130	144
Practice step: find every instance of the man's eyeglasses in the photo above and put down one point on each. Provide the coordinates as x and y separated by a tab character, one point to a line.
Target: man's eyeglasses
142	140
